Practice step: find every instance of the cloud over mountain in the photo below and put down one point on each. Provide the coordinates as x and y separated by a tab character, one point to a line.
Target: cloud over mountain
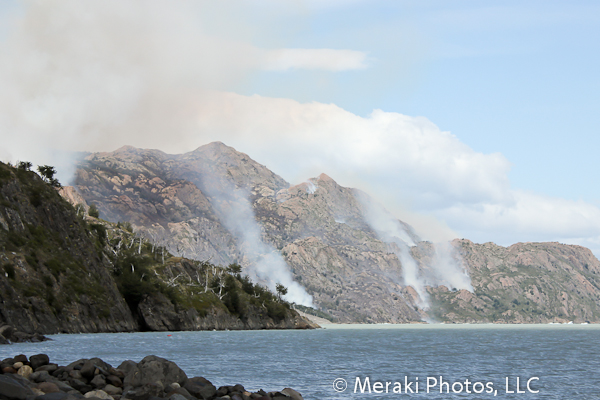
97	75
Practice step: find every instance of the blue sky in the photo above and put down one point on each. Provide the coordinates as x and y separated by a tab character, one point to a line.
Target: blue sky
365	91
520	78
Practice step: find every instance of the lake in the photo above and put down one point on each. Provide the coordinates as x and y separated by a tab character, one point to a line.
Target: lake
559	361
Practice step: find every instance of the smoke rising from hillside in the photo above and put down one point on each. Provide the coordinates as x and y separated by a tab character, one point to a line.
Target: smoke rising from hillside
261	261
390	230
448	269
446	265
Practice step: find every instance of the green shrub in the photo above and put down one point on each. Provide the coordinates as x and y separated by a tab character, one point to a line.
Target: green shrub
100	233
277	311
47	279
32	260
55	266
93	211
16	239
36	196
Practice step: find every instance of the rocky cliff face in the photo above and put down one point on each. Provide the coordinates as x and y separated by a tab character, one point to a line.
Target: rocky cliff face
61	273
53	278
198	203
523	283
318	226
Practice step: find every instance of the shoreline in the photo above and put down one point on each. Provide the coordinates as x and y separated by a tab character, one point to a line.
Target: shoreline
153	378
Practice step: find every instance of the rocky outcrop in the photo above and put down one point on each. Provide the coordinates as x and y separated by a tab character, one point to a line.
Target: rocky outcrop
9	334
54	279
522	283
159	314
153	377
64	273
319	227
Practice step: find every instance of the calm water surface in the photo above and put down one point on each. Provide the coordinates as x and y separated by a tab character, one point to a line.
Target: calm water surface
566	358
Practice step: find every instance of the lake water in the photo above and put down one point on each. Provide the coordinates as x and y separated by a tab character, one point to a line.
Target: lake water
564	358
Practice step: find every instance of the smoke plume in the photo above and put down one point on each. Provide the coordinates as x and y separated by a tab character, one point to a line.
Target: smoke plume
262	262
448	269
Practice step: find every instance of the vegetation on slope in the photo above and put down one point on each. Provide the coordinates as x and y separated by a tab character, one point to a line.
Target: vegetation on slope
55	257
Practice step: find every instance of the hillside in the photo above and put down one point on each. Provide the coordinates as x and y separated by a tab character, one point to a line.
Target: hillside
352	257
63	271
523	283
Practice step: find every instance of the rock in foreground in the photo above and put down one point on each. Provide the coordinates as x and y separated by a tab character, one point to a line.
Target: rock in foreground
153	378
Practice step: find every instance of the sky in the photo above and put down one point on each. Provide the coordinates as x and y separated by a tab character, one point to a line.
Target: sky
465	118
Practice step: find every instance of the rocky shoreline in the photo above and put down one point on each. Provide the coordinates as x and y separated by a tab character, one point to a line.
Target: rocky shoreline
9	335
153	378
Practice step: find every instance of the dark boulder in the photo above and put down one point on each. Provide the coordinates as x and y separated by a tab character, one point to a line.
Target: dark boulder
294	395
21	358
41	376
200	388
144	392
114	380
89	367
48	387
125	367
176	396
49	367
79	385
38	360
155	369
12	388
116	372
6	331
223	391
181	392
98	381
77	365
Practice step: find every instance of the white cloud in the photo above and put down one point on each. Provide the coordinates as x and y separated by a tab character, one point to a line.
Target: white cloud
404	161
528	217
97	75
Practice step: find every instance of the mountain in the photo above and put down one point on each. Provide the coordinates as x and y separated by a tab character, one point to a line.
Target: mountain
523	283
64	272
357	261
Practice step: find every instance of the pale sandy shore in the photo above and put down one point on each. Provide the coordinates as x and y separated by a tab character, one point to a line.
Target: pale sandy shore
317	320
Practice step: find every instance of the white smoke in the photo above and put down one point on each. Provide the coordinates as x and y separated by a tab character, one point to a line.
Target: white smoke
263	263
448	269
311	187
390	230
446	265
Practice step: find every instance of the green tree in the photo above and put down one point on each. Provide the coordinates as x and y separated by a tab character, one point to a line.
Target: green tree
24	165
281	290
93	211
47	172
234	269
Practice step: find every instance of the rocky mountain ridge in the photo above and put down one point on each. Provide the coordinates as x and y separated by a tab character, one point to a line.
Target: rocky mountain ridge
200	204
66	272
